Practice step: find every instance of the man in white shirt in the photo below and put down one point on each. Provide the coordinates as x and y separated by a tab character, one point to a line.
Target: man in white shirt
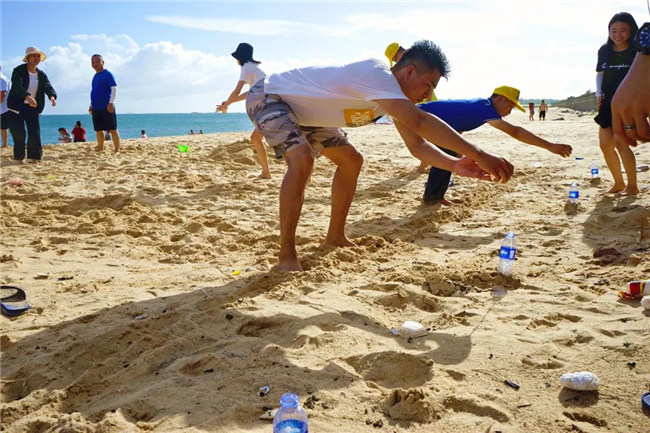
4	111
299	112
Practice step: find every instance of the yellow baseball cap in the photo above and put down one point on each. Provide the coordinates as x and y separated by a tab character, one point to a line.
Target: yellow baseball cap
390	52
511	94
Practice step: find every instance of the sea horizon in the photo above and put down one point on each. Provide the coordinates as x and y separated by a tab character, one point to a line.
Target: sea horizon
130	125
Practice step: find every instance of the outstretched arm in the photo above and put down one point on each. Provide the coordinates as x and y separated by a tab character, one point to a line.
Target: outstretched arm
434	130
525	136
431	155
234	96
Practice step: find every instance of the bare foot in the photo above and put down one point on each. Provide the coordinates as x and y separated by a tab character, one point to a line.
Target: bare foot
99	149
629	191
5	147
288	265
340	242
444	202
615	189
265	175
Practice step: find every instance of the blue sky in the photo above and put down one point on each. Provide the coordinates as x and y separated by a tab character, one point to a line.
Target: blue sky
170	56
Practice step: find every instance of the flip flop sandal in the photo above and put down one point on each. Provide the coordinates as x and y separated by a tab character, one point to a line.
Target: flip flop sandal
13	301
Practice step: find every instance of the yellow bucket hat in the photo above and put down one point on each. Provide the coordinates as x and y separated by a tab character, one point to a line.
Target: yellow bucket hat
390	52
511	94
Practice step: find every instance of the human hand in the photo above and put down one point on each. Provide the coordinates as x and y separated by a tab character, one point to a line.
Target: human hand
90	110
631	104
599	101
53	101
110	107
561	149
499	169
31	101
469	168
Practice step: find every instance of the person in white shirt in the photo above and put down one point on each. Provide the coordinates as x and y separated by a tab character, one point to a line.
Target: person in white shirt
250	74
5	114
299	112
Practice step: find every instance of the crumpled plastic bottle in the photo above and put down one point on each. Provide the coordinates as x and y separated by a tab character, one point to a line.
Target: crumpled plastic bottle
580	381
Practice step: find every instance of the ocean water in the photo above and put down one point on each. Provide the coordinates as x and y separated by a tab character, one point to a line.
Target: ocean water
156	125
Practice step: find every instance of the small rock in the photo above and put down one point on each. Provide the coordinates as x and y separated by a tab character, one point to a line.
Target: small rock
268	415
610	251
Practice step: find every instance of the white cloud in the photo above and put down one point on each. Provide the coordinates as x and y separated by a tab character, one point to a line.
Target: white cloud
546	49
154	77
246	27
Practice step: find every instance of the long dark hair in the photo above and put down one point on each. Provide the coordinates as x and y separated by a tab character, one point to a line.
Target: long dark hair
623	17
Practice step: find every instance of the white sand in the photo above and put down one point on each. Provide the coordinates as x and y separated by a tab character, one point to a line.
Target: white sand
189	240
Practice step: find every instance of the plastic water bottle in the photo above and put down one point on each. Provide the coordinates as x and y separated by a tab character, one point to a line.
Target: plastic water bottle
594	171
574	194
507	254
290	418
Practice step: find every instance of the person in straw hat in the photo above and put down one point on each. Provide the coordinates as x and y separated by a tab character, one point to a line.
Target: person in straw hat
26	99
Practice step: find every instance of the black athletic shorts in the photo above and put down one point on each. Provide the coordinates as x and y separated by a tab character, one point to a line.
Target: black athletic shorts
604	117
6	119
104	121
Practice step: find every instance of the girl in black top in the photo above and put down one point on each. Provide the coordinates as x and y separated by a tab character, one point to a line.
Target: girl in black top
614	60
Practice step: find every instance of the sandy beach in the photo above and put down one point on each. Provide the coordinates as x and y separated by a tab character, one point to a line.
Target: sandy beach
160	310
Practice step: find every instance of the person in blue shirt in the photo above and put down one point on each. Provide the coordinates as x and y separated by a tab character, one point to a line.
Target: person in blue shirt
468	114
102	103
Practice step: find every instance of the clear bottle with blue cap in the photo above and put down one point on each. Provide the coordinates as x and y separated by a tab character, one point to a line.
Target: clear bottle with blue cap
594	171
574	193
507	254
290	418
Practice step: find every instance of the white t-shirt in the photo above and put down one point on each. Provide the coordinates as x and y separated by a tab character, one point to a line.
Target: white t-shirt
335	96
33	84
5	86
251	73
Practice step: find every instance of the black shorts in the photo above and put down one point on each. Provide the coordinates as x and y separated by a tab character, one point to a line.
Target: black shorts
104	121
604	117
6	119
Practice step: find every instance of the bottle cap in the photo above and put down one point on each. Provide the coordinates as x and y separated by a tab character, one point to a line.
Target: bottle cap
289	400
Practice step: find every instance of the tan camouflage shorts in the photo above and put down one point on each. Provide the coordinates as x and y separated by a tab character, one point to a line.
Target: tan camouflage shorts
277	123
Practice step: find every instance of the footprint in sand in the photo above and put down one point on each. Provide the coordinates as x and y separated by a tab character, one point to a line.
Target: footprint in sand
393	369
584	417
552	320
479	408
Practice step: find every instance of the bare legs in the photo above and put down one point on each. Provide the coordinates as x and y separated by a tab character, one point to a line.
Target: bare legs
256	139
100	141
616	152
348	163
300	162
116	139
115	136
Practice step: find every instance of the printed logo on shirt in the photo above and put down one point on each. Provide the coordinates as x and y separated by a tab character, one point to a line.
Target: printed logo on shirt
622	66
358	117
